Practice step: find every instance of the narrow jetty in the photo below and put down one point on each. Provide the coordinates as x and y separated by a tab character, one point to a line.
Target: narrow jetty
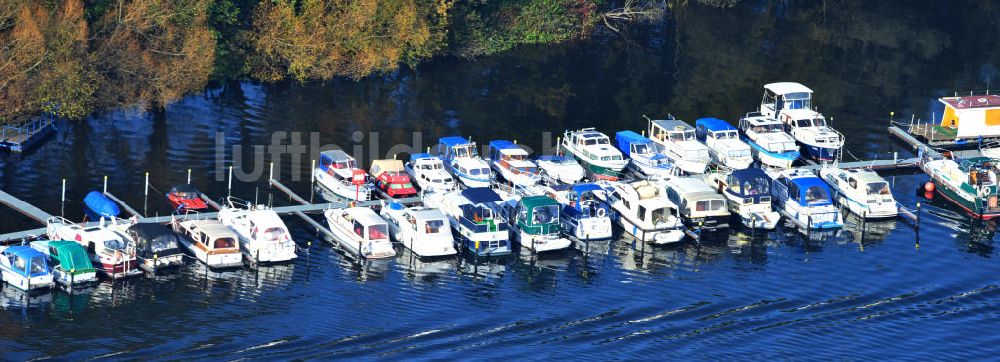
25	208
125	206
19	136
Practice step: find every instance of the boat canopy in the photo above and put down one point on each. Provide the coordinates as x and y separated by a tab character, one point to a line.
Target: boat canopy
782	88
975	162
810	191
420	156
714	124
382	166
335	159
749	182
625	140
453	141
504	147
540	209
481	195
101	205
672	125
154	239
580	189
557	159
26	261
70	256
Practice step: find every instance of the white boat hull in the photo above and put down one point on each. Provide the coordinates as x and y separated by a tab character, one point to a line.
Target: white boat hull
542	243
658	236
362	193
591	228
26	283
216	261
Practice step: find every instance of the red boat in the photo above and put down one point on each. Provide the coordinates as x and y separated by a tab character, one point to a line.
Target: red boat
391	179
186	197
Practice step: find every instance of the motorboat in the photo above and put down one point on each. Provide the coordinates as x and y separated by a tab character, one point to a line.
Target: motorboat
644	158
805	200
594	151
462	159
391	179
700	206
25	268
338	172
768	141
110	252
428	172
560	169
642	209
584	216
971	184
678	142
791	104
748	194
724	144
862	192
424	230
211	242
157	246
185	197
534	223
263	237
96	205
512	163
71	266
474	216
361	232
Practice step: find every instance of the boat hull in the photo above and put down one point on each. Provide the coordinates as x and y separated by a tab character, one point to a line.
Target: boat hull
969	206
350	192
542	242
24	282
657	236
820	153
773	159
591	228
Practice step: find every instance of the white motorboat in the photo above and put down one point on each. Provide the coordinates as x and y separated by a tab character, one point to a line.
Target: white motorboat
862	192
644	158
263	237
642	210
561	169
361	232
211	242
679	143
724	144
805	199
791	104
748	194
462	159
428	172
423	230
338	172
593	149
111	252
512	163
768	141
25	268
700	207
474	215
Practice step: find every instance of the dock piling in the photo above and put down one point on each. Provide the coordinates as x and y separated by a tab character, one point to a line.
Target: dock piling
105	184
229	187
62	201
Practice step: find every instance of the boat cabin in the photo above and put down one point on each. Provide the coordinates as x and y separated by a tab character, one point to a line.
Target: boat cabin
212	236
153	239
456	147
66	255
971	116
785	96
366	224
25	261
391	178
804	188
512	157
538	215
697	203
336	160
677	131
589	137
751	184
631	143
756	126
715	129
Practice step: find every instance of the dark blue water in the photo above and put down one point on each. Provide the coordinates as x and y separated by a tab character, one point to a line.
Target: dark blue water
874	290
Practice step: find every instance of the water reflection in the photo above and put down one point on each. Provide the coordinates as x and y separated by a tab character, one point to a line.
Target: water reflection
424	270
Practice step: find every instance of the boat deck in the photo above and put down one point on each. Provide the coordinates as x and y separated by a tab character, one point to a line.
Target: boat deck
17	137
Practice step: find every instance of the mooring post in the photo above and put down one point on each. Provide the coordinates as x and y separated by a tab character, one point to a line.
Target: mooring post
229	188
189	176
62	206
312	178
105	184
270	173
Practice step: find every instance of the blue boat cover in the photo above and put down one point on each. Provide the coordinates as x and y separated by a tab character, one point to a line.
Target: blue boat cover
748	174
481	195
30	256
419	156
582	188
101	205
714	124
625	140
552	158
453	141
804	183
502	144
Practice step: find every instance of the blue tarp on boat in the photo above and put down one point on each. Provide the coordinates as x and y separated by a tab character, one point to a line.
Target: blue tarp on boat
26	261
625	140
97	205
481	195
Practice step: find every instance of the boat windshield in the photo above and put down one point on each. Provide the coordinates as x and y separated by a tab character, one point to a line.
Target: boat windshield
610	158
479	171
114	244
640	148
224	243
273	234
739	153
406	185
528	169
725	135
434	227
516	157
660	215
344	164
163	243
696	154
465	151
564	161
430	166
757	186
37	265
816	195
767	128
545	214
378	232
709	205
878	188
818	122
797	100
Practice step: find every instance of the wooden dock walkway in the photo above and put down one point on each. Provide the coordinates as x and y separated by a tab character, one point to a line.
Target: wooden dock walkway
25	208
18	137
125	206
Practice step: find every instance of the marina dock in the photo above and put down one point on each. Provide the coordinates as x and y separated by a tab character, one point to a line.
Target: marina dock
19	136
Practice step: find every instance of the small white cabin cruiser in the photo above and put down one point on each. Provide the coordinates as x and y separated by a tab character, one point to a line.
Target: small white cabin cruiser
644	158
423	230
791	104
805	199
211	242
748	194
338	172
699	206
361	232
111	253
594	151
642	210
768	141
534	222
561	169
264	238
724	144
512	163
474	215
862	192
25	268
679	144
428	172
584	216
71	266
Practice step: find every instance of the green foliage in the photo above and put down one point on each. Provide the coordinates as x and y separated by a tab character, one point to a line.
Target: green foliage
490	27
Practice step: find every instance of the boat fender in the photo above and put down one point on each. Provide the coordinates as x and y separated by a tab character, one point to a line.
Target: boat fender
992	201
601	212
